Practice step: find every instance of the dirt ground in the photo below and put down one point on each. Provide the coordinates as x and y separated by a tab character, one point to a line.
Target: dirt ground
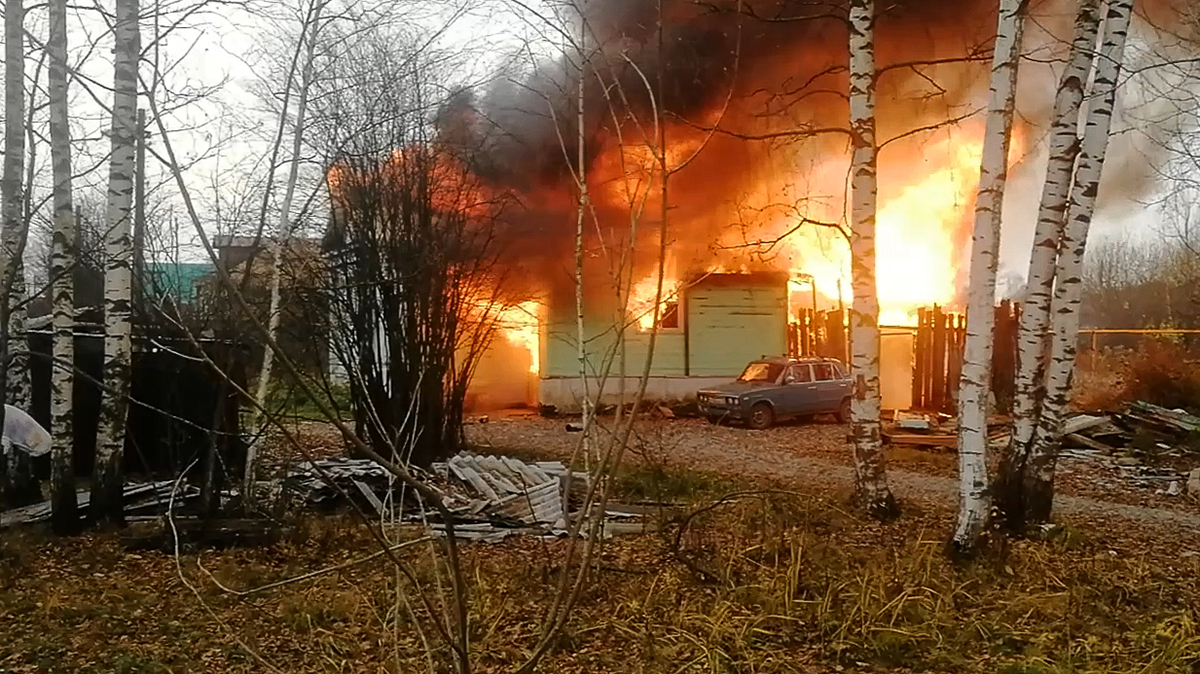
819	454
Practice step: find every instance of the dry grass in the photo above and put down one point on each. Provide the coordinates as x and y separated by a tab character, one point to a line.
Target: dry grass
774	582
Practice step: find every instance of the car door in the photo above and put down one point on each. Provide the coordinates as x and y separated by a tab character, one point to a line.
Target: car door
799	390
830	386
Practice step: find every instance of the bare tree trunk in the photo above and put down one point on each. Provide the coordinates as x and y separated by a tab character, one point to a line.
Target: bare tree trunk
12	237
974	504
106	502
284	231
1038	477
871	487
62	473
1035	313
581	177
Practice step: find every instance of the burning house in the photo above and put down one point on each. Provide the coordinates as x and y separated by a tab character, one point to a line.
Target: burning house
708	328
717	139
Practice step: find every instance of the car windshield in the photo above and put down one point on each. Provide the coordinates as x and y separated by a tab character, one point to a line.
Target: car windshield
761	372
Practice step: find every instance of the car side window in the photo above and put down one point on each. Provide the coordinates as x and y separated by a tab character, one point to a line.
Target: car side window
824	371
798	374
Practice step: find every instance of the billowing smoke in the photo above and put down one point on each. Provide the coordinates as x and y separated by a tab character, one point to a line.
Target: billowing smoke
769	74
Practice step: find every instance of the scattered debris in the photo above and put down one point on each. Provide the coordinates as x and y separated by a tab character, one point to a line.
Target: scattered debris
489	497
1083	422
1174	422
940	430
1193	484
1084	441
913	422
940	440
146	499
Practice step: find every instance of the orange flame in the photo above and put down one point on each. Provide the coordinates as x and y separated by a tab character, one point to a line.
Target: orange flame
922	226
518	324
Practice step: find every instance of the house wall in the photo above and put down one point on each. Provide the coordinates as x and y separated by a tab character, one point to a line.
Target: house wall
727	322
733	325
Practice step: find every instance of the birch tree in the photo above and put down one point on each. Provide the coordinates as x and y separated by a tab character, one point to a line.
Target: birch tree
15	224
1035	313
307	44
1038	474
871	487
62	485
106	502
14	230
985	248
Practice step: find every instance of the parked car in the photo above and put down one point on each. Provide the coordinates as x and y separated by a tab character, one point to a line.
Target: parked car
775	388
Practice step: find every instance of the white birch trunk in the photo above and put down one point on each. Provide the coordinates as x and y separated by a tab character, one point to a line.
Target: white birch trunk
11	187
106	501
283	233
1068	291
11	238
1035	312
975	387
581	177
871	485
62	286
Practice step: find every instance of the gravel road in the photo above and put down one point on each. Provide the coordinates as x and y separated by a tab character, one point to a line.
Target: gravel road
816	454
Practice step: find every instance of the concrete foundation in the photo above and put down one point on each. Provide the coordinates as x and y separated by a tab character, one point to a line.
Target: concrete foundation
566	393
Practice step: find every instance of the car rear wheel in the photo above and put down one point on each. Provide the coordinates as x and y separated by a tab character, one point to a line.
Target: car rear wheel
843	414
761	417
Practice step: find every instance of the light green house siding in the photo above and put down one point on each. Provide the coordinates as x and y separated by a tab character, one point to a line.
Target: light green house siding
729	320
733	325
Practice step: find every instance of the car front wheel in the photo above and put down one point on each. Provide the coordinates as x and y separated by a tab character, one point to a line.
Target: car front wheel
761	417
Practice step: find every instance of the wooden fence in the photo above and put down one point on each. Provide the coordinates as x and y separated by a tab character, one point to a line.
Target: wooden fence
820	333
938	341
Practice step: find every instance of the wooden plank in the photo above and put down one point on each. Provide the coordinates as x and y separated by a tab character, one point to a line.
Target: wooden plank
918	383
1084	441
921	440
956	359
938	363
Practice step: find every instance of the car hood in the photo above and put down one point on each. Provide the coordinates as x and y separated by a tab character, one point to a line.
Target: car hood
734	388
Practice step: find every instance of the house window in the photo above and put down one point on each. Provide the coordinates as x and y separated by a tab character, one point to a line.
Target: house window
669	320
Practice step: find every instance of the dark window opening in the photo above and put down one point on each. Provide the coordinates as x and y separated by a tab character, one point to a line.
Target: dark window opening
669	319
824	371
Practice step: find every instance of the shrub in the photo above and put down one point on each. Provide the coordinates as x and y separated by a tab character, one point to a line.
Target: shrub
1160	373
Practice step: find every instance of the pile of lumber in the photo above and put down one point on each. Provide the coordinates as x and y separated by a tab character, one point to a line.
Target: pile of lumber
143	500
935	431
1141	426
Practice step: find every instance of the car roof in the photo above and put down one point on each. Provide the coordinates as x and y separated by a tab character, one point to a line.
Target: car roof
784	360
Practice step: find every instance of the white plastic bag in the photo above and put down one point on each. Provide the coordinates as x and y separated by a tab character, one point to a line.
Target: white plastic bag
22	432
